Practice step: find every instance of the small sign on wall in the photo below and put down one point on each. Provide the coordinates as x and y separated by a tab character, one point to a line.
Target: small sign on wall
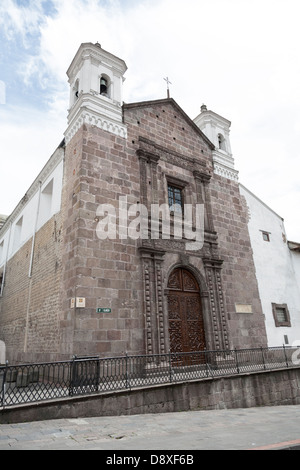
243	308
80	302
103	310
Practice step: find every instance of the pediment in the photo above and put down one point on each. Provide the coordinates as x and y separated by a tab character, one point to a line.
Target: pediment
171	103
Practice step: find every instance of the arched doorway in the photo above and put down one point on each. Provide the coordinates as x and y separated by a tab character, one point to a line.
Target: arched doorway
186	325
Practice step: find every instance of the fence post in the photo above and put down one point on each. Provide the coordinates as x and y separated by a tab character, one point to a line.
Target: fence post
263	358
72	376
286	359
4	385
98	374
236	360
206	364
126	371
170	366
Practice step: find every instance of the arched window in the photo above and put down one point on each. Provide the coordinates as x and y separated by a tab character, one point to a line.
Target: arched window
221	142
105	86
76	91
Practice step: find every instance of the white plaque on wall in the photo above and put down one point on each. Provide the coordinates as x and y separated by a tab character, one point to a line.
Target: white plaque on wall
243	308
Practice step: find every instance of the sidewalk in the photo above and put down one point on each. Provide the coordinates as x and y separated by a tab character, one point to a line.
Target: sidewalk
268	428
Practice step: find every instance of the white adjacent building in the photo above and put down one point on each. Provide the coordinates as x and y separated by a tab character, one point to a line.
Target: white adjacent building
277	260
277	263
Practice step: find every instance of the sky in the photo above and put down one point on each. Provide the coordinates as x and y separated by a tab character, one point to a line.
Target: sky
239	57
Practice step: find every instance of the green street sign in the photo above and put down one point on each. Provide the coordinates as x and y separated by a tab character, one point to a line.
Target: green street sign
103	310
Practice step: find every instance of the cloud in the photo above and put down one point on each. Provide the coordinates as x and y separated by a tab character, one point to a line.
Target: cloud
21	20
28	139
239	58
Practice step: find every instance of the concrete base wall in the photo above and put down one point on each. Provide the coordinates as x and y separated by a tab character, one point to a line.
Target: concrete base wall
281	387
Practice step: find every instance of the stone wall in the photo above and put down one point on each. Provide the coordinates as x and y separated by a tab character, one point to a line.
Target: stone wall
106	273
30	306
170	147
39	316
272	388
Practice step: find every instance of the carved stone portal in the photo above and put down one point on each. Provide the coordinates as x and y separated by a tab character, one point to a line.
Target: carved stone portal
190	318
186	325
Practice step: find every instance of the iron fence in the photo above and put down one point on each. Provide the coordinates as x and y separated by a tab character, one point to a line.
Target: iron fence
28	383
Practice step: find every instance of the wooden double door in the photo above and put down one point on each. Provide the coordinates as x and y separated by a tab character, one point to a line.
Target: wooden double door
186	325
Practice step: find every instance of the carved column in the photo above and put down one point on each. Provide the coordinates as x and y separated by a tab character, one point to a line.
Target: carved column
153	295
143	176
148	174
219	331
153	160
223	321
210	223
158	259
147	262
202	181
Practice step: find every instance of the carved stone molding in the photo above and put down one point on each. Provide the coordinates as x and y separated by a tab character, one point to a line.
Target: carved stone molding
216	297
225	172
154	312
147	291
164	245
223	322
148	156
176	158
94	119
203	177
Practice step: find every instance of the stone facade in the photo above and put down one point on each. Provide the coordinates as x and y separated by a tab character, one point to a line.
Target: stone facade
58	311
106	273
130	277
30	306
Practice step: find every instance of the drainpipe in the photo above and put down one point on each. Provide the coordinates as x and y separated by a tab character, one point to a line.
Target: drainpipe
30	268
6	259
34	232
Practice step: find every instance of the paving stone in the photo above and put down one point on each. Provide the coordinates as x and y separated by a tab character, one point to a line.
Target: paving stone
239	429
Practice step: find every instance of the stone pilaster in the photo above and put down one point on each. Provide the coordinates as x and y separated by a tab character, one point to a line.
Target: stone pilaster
218	313
153	301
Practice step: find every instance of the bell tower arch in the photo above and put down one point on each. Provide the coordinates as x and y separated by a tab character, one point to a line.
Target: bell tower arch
217	129
96	86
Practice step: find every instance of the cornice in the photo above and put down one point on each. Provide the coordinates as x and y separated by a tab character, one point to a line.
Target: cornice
95	52
204	177
226	172
148	156
149	147
205	116
86	116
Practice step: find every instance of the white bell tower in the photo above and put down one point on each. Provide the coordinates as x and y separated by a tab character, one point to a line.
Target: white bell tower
96	81
217	129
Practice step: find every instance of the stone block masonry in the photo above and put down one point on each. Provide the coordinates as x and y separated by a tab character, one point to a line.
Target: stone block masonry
30	306
100	168
105	272
274	388
128	278
91	295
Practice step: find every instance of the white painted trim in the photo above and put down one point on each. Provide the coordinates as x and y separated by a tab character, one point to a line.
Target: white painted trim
92	118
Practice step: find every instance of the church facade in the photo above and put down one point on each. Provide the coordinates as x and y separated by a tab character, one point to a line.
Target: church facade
134	237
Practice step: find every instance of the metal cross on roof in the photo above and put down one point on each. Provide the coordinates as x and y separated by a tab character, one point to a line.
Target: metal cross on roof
168	82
